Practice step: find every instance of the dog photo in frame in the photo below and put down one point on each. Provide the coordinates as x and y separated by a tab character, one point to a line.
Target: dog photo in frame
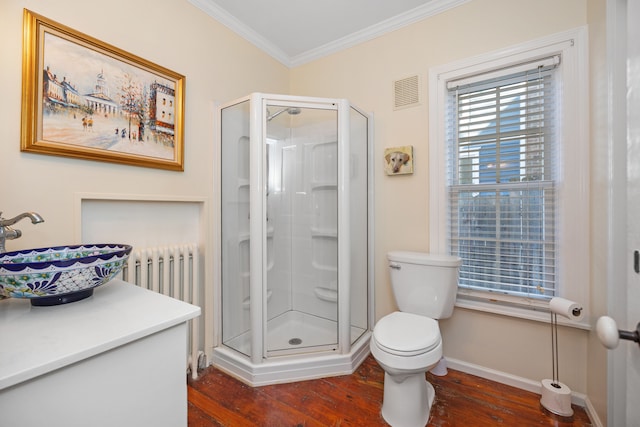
398	160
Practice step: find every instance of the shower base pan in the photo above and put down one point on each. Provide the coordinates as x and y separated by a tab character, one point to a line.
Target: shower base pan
302	347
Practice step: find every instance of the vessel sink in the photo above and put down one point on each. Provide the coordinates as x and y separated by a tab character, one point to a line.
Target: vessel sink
61	274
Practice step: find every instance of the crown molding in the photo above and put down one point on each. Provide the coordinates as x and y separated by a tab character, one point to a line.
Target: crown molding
399	21
419	13
230	21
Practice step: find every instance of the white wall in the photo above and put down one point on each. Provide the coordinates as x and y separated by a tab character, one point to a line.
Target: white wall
600	201
218	65
364	74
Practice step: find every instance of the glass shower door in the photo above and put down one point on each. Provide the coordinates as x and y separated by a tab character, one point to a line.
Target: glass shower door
235	189
301	157
359	281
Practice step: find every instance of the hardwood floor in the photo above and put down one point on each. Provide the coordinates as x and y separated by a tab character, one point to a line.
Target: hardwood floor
216	399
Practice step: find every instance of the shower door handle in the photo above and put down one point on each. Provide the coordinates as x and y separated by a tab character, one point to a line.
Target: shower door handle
394	266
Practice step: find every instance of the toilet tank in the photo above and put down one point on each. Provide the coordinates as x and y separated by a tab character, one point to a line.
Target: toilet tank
423	283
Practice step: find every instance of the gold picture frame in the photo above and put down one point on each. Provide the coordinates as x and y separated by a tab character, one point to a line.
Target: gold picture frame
87	99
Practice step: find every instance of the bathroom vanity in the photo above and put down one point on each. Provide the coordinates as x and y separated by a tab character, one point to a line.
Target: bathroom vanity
117	358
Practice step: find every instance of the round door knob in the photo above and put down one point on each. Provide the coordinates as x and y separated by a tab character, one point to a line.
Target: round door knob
607	330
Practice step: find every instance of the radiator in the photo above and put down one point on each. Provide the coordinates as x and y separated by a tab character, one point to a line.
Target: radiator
172	271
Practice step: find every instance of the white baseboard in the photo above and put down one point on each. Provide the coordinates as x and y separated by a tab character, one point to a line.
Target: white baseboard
521	383
591	412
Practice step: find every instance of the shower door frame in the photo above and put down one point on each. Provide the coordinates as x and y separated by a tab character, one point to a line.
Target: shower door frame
258	227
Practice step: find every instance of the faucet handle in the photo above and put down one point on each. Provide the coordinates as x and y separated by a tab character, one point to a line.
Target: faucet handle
8	233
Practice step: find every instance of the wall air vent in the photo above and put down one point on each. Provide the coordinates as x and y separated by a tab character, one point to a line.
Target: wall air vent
406	92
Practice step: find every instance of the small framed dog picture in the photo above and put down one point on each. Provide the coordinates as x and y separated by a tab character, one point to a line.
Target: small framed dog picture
398	160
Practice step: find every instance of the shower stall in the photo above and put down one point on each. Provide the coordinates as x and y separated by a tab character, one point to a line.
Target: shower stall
294	293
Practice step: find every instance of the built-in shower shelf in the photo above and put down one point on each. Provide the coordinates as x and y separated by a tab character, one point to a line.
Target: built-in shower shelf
319	185
324	232
247	301
324	267
242	183
245	237
326	294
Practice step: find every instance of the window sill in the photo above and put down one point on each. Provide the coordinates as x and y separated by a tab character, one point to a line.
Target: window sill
521	308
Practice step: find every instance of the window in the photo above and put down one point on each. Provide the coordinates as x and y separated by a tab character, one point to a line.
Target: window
508	167
501	179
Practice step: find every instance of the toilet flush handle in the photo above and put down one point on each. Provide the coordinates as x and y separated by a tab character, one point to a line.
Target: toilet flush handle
394	266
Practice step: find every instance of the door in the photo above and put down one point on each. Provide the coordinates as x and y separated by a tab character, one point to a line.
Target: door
632	350
624	293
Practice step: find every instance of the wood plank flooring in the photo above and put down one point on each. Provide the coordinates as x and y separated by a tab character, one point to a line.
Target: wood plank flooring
216	399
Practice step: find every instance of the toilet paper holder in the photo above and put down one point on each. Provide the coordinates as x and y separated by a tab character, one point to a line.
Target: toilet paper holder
556	396
610	335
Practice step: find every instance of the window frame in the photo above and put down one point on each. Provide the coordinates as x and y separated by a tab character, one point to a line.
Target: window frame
573	270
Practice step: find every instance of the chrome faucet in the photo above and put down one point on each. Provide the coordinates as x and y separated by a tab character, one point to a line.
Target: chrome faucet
8	233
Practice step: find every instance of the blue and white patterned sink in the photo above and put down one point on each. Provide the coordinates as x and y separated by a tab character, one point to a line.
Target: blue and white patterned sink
62	274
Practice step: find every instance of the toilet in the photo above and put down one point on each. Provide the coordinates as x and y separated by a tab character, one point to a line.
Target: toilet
407	343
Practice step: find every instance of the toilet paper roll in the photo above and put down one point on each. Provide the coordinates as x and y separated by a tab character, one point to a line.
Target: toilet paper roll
569	309
556	397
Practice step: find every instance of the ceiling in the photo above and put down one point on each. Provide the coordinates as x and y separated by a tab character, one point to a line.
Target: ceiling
298	31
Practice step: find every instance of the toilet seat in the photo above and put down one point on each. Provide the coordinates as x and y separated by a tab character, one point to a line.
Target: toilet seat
406	334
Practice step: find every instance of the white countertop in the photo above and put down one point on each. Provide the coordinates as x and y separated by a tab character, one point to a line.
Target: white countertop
37	340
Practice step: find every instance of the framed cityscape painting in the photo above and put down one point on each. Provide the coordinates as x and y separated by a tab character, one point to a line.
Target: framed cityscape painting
86	99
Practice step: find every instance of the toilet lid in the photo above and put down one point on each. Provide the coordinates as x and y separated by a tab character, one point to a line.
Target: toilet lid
406	334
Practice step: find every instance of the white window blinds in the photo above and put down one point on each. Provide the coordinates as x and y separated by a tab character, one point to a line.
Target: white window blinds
501	189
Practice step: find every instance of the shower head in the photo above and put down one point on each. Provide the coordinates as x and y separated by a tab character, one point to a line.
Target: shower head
291	110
